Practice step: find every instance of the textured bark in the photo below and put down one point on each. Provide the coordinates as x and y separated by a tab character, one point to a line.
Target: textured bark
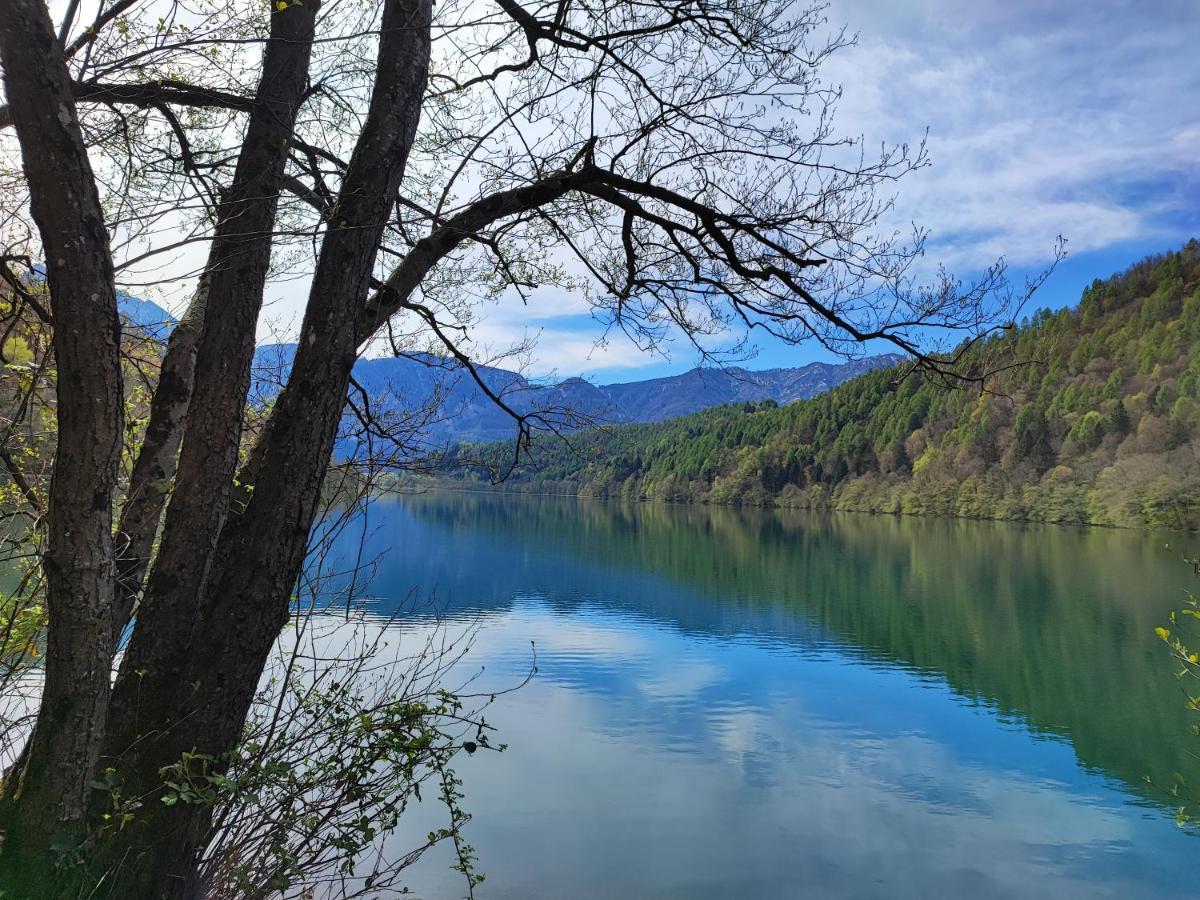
154	470
262	549
45	801
234	281
176	709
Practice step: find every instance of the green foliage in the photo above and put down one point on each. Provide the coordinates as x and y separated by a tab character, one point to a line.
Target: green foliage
332	757
22	630
1093	417
1180	638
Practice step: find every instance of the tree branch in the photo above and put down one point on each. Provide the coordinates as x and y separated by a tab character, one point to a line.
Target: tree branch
150	95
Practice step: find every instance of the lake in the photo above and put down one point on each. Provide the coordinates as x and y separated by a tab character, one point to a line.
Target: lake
767	704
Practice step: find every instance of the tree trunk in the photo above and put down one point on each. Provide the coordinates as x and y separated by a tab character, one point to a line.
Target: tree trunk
199	401
52	787
236	277
44	803
262	550
154	470
202	704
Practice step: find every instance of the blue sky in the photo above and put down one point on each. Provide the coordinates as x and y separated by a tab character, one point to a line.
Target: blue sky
1073	118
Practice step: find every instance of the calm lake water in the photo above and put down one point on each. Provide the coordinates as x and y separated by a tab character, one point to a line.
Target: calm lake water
762	704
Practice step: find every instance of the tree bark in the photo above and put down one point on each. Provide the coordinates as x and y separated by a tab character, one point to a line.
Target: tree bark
263	548
213	396
44	803
154	471
200	707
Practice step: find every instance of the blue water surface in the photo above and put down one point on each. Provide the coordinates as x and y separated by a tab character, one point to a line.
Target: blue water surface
764	704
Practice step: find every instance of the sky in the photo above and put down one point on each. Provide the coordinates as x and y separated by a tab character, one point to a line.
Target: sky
1071	118
1079	119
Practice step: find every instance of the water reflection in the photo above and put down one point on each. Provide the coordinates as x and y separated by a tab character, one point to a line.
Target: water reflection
765	704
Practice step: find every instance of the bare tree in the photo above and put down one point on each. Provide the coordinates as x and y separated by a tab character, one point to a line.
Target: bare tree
675	159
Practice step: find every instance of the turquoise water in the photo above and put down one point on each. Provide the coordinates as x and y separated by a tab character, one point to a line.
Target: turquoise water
764	704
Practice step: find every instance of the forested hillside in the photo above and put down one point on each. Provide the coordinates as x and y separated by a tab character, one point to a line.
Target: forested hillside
1092	417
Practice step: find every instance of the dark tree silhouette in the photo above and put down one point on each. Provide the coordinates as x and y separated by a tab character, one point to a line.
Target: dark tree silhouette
676	160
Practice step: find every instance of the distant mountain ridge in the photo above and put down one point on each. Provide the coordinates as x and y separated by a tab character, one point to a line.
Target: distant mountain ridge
469	415
145	315
658	399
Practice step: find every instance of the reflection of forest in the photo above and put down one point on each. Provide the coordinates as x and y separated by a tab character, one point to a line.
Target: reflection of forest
1054	626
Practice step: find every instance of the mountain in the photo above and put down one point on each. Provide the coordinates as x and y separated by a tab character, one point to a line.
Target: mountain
666	398
469	415
143	316
1092	416
146	316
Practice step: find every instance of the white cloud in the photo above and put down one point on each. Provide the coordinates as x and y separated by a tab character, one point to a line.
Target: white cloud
558	350
1072	122
1070	119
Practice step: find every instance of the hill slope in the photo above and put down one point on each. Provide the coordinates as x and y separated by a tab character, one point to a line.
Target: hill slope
1099	424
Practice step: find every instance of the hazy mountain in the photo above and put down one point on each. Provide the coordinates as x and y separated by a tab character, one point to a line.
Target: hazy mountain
680	395
145	315
467	414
